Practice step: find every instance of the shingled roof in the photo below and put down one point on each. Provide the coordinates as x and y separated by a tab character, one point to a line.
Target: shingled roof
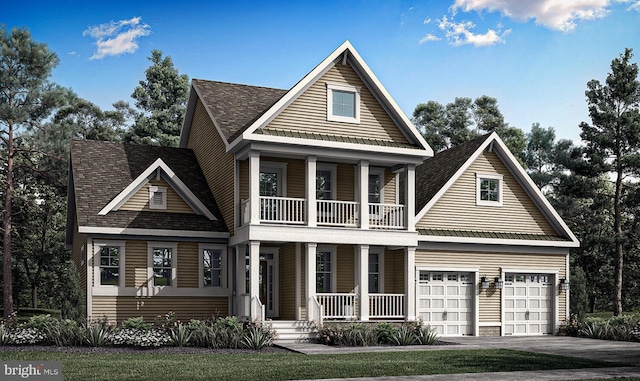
101	170
235	107
435	171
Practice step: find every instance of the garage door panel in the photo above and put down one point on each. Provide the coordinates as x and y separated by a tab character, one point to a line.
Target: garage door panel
528	304
452	290
453	303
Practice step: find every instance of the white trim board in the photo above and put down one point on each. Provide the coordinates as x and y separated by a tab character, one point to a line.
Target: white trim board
152	232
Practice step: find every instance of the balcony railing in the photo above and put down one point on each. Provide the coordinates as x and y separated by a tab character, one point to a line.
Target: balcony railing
292	211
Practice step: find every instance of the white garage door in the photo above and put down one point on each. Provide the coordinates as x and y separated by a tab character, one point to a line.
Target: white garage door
445	301
528	304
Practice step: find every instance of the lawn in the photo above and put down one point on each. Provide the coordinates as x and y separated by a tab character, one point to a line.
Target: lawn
286	366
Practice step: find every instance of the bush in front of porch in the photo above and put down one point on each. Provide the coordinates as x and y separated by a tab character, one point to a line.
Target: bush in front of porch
380	333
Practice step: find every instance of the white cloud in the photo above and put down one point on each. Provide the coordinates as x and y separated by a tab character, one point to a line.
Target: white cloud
459	33
117	37
561	15
635	4
429	37
427	20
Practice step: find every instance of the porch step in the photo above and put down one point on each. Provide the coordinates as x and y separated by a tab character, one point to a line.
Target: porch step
294	331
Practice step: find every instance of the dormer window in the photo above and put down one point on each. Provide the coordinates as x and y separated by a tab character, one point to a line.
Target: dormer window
157	197
343	103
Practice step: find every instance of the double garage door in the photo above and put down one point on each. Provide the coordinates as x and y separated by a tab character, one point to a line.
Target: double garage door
445	300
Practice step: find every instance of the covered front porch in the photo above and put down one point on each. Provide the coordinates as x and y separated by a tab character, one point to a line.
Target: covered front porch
317	282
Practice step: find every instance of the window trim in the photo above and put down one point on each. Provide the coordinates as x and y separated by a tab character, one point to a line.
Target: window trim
223	265
97	247
334	259
153	190
174	262
488	176
346	88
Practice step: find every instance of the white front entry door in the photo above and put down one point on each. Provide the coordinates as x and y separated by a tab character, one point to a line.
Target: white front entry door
528	304
445	301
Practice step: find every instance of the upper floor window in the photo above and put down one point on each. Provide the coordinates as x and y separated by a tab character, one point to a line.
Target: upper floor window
273	179
488	189
325	182
343	103
157	197
376	184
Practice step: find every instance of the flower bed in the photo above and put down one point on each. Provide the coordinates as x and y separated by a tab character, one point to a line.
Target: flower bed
382	333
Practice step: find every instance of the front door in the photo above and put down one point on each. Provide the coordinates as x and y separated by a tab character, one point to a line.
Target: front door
269	282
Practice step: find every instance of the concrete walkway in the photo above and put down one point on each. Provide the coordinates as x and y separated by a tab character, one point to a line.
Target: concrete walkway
610	351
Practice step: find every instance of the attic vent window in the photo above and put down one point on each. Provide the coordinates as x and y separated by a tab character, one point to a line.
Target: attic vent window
488	189
343	103
157	197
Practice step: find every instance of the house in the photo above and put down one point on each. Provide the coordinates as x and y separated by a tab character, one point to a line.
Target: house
316	203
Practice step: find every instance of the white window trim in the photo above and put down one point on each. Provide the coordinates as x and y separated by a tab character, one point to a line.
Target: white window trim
380	253
97	246
223	265
489	176
174	262
334	265
334	176
342	87
156	189
279	168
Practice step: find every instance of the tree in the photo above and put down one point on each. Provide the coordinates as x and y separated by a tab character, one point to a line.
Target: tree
538	155
26	98
161	99
613	143
465	119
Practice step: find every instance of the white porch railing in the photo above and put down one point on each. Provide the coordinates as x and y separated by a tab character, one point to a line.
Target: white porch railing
283	210
337	213
257	309
314	309
338	305
386	216
386	305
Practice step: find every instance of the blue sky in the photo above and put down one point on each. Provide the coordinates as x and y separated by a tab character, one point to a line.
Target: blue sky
535	57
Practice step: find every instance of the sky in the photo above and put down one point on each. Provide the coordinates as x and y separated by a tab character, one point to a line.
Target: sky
534	56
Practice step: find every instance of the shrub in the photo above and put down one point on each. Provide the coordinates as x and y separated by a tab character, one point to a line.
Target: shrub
140	338
40	322
4	334
64	332
256	338
96	335
167	321
329	334
427	336
358	335
136	323
26	336
200	332
404	336
180	335
385	332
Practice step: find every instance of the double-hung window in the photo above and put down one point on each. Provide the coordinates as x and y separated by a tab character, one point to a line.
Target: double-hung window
110	266
489	189
324	265
213	265
343	103
162	263
375	272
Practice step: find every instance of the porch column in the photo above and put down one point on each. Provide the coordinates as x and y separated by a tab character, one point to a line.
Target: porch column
310	276
410	283
410	198
254	277
363	282
254	187
363	166
241	281
312	211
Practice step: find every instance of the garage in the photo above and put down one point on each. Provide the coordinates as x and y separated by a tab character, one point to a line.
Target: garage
528	304
445	301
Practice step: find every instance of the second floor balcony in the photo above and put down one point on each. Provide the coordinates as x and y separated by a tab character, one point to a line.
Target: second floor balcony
294	211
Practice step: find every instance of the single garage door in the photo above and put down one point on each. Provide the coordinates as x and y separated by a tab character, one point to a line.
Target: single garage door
528	304
445	301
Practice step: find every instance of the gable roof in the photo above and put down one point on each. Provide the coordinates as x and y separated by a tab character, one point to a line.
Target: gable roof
238	116
437	174
102	172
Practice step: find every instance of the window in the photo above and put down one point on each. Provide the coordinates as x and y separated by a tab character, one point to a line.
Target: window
375	273
212	267
376	183
157	197
488	189
343	103
325	182
109	266
323	271
272	179
162	263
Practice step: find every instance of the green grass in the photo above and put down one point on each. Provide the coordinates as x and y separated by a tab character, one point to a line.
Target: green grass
282	366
